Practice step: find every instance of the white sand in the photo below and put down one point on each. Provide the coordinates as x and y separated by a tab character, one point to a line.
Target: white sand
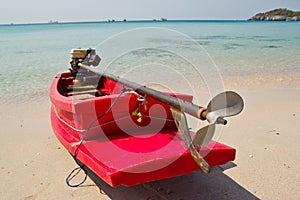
34	165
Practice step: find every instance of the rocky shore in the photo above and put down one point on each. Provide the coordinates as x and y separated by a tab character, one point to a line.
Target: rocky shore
277	15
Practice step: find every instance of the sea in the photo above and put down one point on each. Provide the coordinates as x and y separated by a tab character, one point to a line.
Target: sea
173	55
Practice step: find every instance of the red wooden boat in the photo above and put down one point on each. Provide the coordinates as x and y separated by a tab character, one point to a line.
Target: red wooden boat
123	136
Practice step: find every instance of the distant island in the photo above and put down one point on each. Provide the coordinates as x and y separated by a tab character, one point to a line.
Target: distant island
281	14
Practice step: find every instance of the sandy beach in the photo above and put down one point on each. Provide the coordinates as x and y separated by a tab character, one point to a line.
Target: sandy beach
34	165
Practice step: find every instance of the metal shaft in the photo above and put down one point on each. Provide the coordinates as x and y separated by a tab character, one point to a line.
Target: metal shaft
179	104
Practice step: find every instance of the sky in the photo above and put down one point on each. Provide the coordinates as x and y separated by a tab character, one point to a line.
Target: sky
32	11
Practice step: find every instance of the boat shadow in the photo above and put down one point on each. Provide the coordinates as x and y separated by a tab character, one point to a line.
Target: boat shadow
197	185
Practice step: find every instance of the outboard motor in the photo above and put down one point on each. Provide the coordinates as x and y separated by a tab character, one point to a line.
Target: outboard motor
83	57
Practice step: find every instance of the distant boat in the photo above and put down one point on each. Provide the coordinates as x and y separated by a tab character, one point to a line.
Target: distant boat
163	19
53	22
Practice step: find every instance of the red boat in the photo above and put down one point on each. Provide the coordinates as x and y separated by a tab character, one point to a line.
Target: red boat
125	136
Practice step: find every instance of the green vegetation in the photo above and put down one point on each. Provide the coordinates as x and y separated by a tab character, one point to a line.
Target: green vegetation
280	14
283	12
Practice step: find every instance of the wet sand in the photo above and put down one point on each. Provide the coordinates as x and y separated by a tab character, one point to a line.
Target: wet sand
34	165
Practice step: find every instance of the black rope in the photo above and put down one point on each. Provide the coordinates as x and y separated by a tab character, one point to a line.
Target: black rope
81	166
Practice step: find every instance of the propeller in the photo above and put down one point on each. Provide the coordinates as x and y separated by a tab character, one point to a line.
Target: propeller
204	135
225	104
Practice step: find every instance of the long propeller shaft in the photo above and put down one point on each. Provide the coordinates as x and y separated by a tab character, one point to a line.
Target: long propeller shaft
225	104
180	104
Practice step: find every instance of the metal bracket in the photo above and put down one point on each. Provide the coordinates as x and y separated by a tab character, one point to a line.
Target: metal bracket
181	123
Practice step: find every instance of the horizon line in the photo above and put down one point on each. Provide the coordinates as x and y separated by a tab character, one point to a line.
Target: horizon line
122	21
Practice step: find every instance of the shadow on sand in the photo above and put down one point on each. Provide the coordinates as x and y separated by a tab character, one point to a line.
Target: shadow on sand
194	186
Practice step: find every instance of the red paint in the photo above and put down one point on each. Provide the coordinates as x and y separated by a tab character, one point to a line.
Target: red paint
121	150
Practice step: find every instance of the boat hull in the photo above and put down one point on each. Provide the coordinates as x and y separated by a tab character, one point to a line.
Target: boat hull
121	149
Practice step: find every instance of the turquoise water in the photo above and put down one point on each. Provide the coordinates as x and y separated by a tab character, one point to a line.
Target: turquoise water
242	52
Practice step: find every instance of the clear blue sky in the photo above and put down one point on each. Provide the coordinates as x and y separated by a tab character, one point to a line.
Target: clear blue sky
29	11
